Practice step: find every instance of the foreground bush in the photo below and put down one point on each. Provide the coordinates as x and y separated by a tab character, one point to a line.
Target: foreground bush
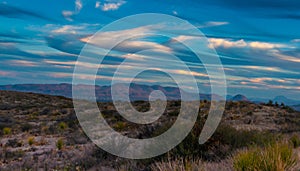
225	140
274	157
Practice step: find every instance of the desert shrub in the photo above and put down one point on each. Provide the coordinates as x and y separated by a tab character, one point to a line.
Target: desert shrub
42	141
250	113
45	129
56	113
52	129
59	144
14	143
295	140
14	154
62	126
26	127
31	141
224	141
289	109
173	113
241	138
33	116
6	131
72	123
270	103
120	125
274	157
175	103
100	153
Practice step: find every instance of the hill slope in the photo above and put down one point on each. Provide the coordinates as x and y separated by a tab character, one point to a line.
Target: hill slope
33	124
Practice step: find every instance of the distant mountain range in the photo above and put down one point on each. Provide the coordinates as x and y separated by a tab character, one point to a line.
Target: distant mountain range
279	100
103	93
136	92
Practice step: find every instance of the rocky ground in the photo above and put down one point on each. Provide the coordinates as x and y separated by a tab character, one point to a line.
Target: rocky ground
40	132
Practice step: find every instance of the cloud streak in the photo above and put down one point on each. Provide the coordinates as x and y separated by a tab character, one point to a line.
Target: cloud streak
110	5
225	43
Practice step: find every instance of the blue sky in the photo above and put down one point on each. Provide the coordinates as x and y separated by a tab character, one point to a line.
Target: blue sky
258	41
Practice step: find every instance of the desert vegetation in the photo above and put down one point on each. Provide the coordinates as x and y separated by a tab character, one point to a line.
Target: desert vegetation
42	132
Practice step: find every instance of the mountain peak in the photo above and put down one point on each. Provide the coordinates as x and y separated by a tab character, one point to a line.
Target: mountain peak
239	97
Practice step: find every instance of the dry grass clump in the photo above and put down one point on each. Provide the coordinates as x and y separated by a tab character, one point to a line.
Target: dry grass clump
6	131
31	140
274	157
178	165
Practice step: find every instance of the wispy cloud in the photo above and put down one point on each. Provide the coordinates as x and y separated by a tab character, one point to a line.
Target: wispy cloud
286	57
97	5
72	63
295	40
79	29
218	42
264	79
212	24
264	45
69	29
68	14
23	63
78	5
110	5
227	43
253	68
108	39
7	74
184	72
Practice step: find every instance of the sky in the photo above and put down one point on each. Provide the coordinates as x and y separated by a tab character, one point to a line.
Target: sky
258	42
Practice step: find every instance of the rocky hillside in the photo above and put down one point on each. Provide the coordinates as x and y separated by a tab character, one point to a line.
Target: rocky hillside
42	132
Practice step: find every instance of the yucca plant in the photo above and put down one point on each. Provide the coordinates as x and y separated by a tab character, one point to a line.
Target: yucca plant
59	144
